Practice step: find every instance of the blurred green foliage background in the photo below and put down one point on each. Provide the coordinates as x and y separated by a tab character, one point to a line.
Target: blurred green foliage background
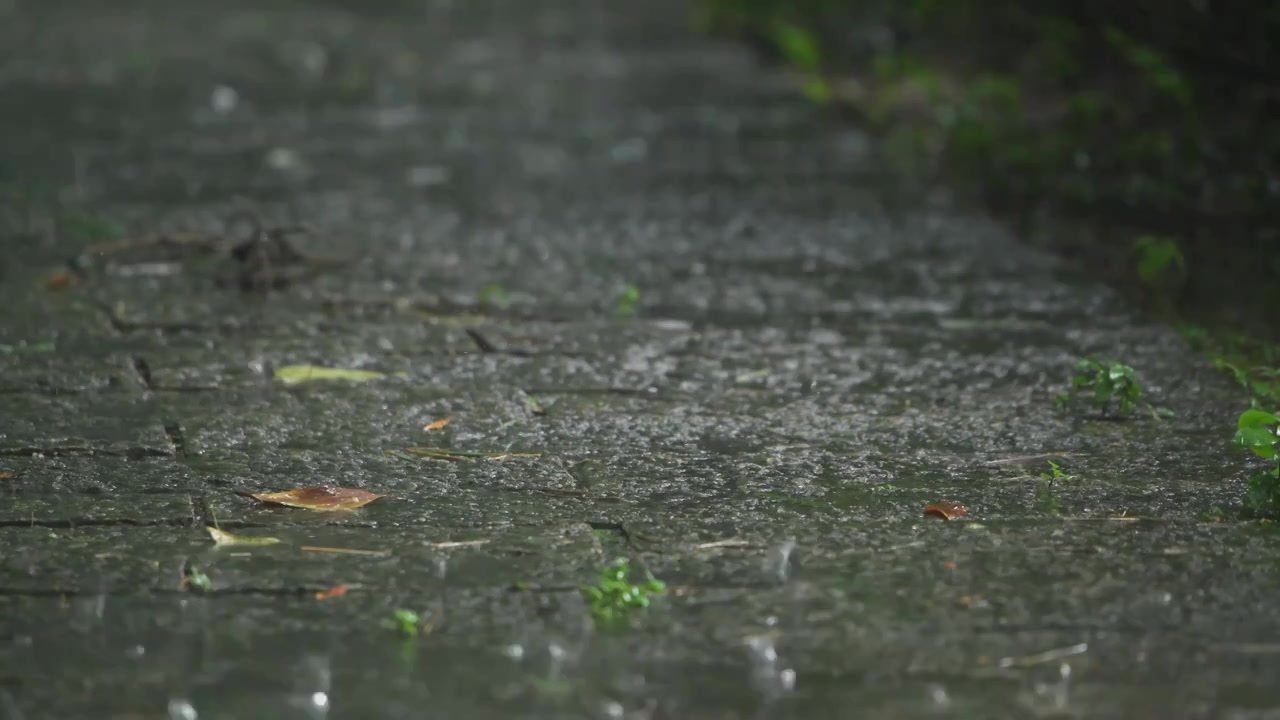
1155	122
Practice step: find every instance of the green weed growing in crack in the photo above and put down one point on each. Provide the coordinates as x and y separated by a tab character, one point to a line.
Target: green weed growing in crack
1160	260
1110	387
1046	499
494	294
405	622
1256	430
615	597
194	579
627	303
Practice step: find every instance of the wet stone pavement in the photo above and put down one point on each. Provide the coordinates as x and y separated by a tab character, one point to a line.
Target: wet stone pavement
816	353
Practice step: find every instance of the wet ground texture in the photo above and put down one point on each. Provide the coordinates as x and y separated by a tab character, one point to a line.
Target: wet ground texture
458	195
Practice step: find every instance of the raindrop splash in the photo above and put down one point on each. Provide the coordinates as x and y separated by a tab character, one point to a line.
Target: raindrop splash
778	563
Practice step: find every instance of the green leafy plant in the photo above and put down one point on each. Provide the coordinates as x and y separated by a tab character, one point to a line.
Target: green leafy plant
494	294
1256	430
1106	383
1253	363
1045	496
406	622
797	44
800	47
627	303
615	597
1154	66
195	580
1157	258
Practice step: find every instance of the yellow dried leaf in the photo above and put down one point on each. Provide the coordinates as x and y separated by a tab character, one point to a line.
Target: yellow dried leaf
222	537
294	374
59	280
317	497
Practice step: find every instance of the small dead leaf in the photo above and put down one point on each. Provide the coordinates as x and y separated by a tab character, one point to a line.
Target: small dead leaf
294	374
7	475
435	425
222	537
456	455
946	510
333	592
59	280
316	497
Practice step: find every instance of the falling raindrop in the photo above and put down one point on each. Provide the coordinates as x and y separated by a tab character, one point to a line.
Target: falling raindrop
224	99
10	707
283	159
314	681
766	676
557	655
515	651
182	709
778	563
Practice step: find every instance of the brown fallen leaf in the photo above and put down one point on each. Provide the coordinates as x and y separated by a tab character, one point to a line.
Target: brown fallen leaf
333	592
436	425
59	280
946	510
316	497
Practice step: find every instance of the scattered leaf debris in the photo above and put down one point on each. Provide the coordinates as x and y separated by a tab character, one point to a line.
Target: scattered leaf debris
946	510
222	537
456	455
316	497
435	425
295	374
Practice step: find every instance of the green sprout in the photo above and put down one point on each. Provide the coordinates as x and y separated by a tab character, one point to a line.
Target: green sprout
627	302
1256	430
1044	491
615	596
494	294
1106	382
1158	258
406	622
195	580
